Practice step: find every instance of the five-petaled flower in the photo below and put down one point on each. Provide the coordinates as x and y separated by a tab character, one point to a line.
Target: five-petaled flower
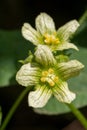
48	77
46	33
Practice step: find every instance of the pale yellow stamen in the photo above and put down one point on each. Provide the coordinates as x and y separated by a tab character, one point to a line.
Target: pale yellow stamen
44	73
51	71
51	39
43	79
56	79
51	83
49	77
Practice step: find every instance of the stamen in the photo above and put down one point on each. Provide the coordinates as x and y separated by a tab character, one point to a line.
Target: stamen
49	77
43	79
44	73
51	83
51	39
51	71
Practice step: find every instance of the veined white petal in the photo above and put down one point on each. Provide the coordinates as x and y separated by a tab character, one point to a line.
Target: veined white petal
30	34
28	75
44	55
66	45
70	69
39	97
44	23
68	29
62	93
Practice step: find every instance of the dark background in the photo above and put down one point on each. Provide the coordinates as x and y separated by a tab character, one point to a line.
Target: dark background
13	13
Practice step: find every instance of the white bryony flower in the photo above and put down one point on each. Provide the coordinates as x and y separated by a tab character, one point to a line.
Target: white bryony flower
46	33
48	77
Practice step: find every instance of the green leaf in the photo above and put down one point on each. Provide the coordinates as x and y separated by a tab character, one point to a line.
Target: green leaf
13	47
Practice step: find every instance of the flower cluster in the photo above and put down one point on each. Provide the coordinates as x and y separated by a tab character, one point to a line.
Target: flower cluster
47	75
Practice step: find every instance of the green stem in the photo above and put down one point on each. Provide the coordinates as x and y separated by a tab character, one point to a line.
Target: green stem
14	107
78	114
75	111
83	17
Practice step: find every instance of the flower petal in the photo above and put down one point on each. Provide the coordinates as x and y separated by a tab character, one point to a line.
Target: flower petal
44	23
44	55
67	30
66	45
70	69
39	97
28	75
30	33
62	93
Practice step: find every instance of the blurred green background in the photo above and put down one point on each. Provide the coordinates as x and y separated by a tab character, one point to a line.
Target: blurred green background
13	47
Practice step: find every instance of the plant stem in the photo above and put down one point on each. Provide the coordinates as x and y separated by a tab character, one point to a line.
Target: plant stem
79	115
75	111
83	17
13	108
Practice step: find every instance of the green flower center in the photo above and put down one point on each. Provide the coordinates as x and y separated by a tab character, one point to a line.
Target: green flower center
49	77
51	39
